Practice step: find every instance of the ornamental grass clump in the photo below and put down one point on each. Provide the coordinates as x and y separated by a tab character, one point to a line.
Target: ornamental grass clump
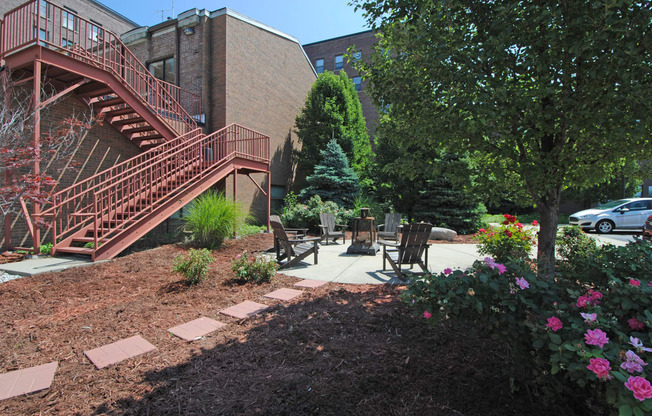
510	240
256	269
194	265
211	218
576	342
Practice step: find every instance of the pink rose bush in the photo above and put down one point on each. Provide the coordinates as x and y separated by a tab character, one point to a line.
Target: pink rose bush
595	335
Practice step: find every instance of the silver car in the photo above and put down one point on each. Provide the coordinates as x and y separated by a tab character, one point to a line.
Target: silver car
628	213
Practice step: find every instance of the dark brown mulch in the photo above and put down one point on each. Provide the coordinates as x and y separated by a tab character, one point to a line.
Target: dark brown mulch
11	257
339	349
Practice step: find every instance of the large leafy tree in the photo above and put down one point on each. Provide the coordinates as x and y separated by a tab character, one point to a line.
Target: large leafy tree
333	111
552	93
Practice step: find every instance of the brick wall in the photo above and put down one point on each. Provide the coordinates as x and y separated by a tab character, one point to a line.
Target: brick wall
328	49
101	147
267	79
109	20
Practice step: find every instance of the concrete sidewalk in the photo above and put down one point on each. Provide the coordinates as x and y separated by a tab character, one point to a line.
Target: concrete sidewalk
34	266
337	266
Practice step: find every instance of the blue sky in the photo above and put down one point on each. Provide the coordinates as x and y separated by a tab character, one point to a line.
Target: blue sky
307	20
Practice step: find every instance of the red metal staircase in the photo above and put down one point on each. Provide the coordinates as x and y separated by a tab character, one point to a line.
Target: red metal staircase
104	214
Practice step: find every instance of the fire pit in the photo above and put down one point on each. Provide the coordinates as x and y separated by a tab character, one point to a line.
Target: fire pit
364	238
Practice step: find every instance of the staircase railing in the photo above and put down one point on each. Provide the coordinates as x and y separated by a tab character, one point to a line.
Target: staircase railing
110	200
47	24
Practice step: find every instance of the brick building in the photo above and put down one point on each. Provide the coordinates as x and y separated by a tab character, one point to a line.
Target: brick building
104	16
246	73
329	55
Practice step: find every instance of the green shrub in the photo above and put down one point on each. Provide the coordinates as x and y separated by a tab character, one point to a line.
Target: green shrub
257	269
546	322
510	240
211	218
249	229
296	215
46	249
194	265
577	253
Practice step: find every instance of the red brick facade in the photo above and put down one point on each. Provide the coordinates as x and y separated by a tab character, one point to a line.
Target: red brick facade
106	17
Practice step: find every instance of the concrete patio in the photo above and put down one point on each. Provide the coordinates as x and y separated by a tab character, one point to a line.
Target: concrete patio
338	267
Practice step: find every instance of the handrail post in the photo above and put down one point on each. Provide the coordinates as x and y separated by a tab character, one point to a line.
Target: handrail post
95	209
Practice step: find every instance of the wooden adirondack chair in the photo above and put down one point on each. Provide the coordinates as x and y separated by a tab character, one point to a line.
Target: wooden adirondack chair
410	250
295	233
329	228
389	230
293	249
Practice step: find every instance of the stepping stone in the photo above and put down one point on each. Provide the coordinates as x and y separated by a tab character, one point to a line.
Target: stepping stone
119	351
310	283
284	294
196	329
244	309
29	380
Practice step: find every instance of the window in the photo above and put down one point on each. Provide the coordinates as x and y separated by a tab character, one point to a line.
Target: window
319	65
68	21
357	82
95	33
65	43
277	195
44	8
356	56
339	62
163	70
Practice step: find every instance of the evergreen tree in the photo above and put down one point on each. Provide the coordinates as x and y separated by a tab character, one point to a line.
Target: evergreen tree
445	201
333	180
333	111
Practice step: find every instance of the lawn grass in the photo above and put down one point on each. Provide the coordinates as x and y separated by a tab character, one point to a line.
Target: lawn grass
523	218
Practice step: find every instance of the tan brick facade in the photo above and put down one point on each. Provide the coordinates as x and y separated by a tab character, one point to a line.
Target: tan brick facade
246	73
329	49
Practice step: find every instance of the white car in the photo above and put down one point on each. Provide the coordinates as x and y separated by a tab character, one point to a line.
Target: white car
628	213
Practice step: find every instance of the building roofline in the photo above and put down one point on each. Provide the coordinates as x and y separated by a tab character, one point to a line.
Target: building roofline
253	22
116	14
339	37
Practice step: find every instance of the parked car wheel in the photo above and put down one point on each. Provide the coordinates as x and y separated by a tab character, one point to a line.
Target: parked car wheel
604	226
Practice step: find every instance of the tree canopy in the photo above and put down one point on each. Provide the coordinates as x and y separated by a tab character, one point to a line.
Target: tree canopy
552	94
333	111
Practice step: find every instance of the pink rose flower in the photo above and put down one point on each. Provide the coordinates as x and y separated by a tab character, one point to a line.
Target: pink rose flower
427	315
535	223
640	387
482	230
600	367
522	283
596	337
448	270
638	344
554	323
501	268
634	282
582	301
508	233
635	324
633	363
589	318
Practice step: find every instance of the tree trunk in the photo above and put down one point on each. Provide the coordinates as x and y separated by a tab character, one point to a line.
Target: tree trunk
549	211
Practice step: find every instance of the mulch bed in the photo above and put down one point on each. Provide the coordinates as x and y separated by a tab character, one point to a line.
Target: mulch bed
338	349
